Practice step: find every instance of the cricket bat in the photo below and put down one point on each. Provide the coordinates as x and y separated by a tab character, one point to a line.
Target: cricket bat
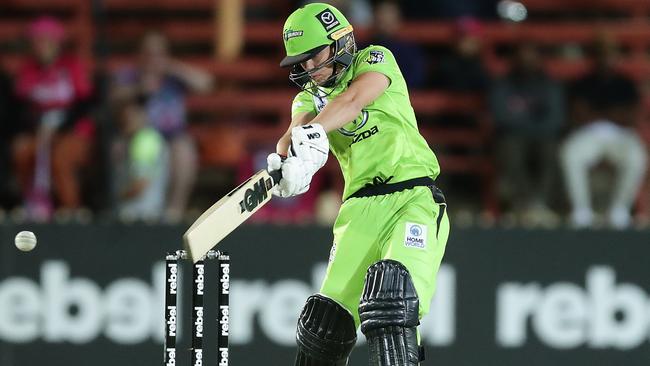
229	212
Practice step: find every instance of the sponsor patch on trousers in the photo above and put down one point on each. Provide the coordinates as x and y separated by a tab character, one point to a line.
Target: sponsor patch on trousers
415	235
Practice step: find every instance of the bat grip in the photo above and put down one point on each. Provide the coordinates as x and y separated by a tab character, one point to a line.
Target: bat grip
276	175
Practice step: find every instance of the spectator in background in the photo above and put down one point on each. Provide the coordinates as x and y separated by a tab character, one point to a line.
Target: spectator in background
605	106
463	70
140	160
528	108
386	27
55	90
164	83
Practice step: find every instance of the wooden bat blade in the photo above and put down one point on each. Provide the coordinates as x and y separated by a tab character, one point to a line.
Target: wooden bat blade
228	213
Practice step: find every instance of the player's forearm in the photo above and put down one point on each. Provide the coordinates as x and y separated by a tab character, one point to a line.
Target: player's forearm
346	107
298	119
338	112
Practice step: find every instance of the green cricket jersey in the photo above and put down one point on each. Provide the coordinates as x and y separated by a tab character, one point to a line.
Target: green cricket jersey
383	144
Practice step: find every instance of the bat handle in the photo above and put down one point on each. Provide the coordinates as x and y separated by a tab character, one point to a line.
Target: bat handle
276	175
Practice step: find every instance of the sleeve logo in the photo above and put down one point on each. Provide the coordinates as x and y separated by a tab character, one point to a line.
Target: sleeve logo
327	19
415	236
375	57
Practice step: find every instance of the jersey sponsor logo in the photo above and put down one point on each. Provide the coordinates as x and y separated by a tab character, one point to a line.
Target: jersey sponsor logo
327	19
415	236
365	134
288	34
375	57
358	124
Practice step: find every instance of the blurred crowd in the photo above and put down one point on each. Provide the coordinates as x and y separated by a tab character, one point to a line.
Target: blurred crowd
50	132
554	142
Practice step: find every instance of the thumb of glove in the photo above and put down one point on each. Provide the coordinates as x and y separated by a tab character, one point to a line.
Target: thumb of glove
274	162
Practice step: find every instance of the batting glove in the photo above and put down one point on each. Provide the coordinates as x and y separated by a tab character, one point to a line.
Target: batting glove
296	175
309	144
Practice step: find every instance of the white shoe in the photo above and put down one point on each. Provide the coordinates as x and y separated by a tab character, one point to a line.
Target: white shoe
620	218
582	218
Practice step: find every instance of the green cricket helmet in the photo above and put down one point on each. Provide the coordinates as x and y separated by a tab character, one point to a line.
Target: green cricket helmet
309	30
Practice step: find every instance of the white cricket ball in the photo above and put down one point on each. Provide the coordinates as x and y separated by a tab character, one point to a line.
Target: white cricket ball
25	241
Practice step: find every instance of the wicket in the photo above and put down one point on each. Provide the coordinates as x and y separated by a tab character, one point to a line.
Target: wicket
198	290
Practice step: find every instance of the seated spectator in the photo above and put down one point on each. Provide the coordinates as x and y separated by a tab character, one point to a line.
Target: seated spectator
463	70
605	109
387	24
140	159
55	90
164	83
528	111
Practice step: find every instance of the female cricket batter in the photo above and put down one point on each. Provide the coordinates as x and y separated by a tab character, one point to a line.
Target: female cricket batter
392	228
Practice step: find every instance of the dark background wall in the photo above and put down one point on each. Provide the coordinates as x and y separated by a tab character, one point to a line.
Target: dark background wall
93	295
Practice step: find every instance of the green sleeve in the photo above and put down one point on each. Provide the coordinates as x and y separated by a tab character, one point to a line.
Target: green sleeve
378	59
302	103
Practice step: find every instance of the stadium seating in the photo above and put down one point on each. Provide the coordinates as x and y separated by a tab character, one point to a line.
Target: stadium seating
255	85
